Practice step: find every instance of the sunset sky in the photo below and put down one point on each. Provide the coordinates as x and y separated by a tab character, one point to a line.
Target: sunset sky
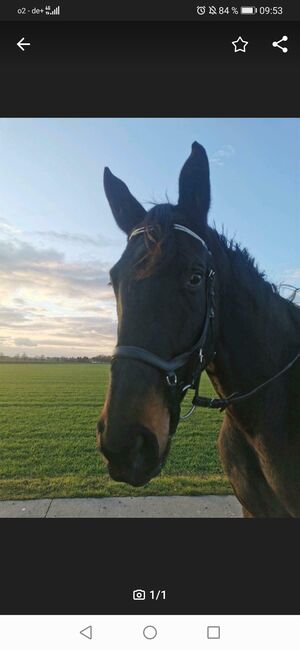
57	235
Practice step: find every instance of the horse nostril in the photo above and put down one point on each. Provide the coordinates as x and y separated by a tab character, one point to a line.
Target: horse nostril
137	453
139	444
145	450
134	463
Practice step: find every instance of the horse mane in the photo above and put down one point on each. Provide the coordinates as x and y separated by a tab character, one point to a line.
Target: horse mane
242	260
159	232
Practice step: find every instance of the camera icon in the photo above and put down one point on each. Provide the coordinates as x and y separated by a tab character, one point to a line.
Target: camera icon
139	594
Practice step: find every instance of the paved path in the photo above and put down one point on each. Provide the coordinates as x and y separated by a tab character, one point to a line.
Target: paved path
207	506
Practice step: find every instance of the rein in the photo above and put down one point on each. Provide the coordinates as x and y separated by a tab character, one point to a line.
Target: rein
222	403
199	351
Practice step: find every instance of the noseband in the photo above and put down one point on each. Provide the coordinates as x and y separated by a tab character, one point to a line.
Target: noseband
198	355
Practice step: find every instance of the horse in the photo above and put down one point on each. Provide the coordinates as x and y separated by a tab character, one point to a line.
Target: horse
189	300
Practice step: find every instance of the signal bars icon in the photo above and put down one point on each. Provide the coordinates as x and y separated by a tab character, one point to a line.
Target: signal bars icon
54	12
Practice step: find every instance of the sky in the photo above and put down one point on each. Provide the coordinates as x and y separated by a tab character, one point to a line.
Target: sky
58	237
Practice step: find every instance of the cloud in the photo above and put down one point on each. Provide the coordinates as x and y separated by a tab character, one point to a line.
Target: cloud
19	254
27	343
74	238
51	304
219	157
10	316
7	228
27	268
291	277
292	274
58	335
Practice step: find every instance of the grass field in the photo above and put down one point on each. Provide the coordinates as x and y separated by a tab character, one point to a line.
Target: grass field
47	438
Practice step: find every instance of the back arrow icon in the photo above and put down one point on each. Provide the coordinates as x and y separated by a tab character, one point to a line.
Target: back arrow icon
22	43
87	632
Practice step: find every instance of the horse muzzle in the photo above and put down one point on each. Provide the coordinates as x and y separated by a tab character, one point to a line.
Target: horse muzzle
135	464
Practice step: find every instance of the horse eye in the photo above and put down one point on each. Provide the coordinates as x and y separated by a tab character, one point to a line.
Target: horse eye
195	279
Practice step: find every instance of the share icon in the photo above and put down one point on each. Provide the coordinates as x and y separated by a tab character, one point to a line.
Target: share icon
277	44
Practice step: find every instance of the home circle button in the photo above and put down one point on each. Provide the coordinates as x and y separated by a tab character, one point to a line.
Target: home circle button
150	632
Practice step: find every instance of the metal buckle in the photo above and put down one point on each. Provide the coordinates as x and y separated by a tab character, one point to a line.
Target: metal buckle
186	387
188	414
191	411
171	380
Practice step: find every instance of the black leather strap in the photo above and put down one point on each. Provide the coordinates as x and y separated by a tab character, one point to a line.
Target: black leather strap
223	403
140	354
170	367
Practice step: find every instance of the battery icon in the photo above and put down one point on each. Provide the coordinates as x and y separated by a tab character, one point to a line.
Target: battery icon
248	11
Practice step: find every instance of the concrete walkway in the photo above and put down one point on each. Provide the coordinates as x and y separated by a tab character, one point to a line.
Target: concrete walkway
206	506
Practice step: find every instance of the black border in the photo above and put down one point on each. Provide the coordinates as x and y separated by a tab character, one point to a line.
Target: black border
88	566
148	69
91	566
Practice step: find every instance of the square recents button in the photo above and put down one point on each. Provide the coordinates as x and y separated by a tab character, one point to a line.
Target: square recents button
213	632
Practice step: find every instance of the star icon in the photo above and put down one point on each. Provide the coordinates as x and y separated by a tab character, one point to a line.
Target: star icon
240	45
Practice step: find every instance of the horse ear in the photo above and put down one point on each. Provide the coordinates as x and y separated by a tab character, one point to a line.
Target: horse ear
127	211
194	186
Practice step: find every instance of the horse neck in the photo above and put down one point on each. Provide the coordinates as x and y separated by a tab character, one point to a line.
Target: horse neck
257	331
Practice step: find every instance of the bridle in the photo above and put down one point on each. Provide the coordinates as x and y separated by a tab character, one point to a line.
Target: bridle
198	356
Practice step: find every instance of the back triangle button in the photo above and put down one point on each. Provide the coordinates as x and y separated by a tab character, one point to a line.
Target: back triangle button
87	632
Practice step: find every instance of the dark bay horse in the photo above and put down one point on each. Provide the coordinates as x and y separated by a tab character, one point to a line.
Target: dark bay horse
189	300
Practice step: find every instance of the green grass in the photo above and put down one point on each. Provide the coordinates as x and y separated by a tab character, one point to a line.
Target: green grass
47	438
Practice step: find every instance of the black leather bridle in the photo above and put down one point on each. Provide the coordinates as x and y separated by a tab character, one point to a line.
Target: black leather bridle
198	356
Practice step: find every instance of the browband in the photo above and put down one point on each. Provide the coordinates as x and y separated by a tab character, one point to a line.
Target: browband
176	226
